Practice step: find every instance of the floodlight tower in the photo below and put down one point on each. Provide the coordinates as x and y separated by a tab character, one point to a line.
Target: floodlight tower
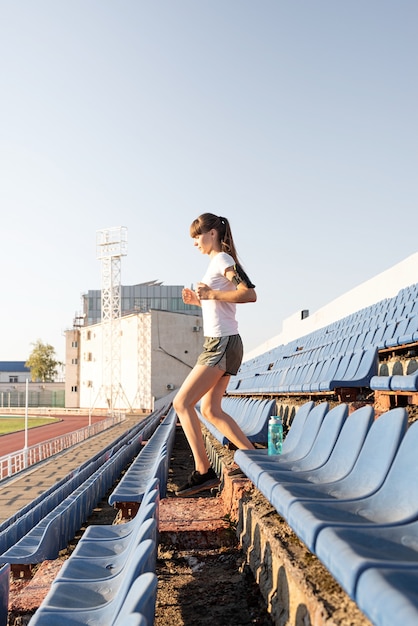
111	245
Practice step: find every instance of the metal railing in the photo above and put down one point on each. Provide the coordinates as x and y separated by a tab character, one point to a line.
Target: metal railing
15	462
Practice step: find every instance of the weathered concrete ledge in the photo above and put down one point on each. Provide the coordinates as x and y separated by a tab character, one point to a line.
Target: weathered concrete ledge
298	589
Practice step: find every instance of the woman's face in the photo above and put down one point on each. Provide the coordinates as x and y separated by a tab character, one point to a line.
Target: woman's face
205	241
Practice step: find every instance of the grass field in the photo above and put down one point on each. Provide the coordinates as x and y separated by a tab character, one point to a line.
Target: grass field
14	424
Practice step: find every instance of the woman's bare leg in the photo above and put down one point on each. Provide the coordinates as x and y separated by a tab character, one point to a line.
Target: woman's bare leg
199	381
211	407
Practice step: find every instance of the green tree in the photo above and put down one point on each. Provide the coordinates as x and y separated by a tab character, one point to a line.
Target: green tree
42	362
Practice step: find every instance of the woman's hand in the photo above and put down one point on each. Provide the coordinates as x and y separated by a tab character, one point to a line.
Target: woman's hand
204	292
190	297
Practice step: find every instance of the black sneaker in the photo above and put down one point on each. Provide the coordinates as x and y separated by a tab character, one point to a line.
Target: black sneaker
199	482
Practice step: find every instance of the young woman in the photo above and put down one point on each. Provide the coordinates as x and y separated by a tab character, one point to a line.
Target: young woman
224	285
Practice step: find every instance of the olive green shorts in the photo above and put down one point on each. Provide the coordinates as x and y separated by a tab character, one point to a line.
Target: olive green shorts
223	352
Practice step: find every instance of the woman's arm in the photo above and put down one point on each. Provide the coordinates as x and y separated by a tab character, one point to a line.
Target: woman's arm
240	295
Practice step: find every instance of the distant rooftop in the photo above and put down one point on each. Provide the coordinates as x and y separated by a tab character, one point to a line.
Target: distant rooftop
139	298
13	366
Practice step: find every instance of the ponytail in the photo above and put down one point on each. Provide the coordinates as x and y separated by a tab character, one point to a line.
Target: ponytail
204	223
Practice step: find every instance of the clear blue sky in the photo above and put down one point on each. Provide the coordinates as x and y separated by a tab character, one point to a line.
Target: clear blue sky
296	119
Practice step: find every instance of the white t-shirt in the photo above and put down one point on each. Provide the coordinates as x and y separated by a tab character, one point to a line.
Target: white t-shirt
219	317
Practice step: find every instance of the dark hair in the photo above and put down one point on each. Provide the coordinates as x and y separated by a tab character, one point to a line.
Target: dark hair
208	221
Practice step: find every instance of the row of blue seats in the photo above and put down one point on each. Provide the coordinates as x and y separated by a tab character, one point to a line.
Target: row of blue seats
397	382
111	573
345	485
289	370
35	532
382	314
52	533
153	460
109	579
354	369
390	323
19	524
252	415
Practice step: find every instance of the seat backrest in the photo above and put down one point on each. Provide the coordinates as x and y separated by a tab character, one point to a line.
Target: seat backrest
389	332
139	600
141	561
147	530
399	331
412	327
295	431
375	457
409	382
336	361
353	365
325	440
310	431
397	498
348	445
368	365
318	373
337	369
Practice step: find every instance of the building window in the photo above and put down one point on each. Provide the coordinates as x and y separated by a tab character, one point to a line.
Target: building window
74	344
74	388
13	379
74	361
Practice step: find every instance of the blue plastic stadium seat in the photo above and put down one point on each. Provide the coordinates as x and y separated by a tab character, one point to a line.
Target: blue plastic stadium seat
310	375
152	461
277	469
15	528
77	603
103	561
396	501
251	415
251	461
347	552
140	601
389	333
362	366
408	382
294	434
389	596
380	383
318	374
399	331
336	368
411	331
366	476
277	485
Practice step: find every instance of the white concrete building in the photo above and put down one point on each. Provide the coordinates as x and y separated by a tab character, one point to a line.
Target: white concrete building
157	351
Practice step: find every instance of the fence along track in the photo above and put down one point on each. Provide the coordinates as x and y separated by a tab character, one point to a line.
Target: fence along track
20	460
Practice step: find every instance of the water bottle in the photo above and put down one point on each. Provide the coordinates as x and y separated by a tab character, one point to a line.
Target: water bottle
275	435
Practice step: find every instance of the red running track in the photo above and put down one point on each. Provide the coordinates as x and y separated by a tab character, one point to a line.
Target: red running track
69	423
